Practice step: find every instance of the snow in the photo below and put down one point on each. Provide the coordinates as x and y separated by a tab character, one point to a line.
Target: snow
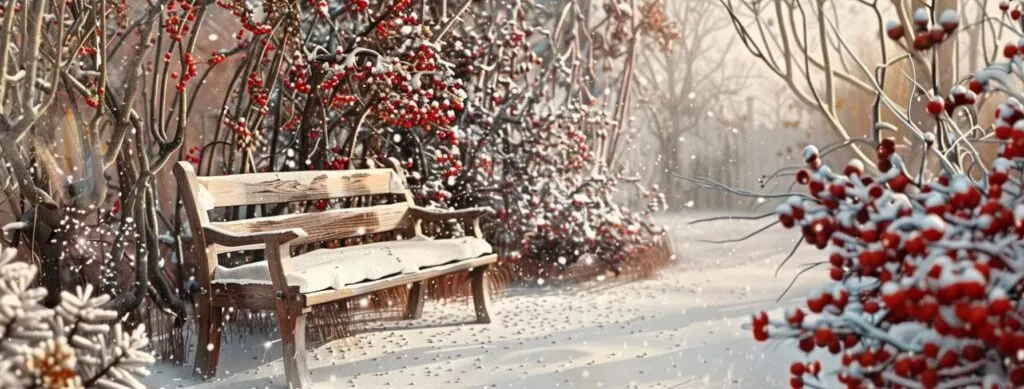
336	268
684	329
921	15
949	16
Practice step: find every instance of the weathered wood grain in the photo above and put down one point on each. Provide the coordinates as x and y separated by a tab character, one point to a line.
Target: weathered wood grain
327	225
249	296
268	188
326	296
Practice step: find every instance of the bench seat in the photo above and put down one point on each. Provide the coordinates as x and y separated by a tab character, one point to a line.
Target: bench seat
343	267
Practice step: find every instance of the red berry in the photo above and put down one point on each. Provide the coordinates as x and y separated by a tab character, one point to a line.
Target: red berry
814	368
902	367
836	273
1000	306
976	86
895	31
836	259
1009	51
786	220
796	383
922	41
797	369
899	184
807	344
1017	376
822	336
760	334
1003	131
929	378
936	106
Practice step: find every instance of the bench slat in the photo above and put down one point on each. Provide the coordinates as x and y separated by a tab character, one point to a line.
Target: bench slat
250	296
326	296
261	296
322	226
269	188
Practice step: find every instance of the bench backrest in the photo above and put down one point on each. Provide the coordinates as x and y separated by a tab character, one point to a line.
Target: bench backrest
270	188
201	195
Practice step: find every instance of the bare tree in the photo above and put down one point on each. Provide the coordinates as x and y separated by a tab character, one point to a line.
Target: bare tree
806	45
685	88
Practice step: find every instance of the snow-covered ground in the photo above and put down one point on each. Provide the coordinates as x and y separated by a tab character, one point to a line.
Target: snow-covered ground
682	330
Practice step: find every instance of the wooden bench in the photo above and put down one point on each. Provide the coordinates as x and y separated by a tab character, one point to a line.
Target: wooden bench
292	285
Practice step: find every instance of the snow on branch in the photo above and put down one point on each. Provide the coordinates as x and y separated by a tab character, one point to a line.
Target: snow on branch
76	344
926	262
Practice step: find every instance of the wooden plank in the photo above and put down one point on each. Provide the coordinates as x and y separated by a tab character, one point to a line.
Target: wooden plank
326	296
322	226
269	188
249	296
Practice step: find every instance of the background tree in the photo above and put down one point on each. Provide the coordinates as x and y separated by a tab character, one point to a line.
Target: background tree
689	89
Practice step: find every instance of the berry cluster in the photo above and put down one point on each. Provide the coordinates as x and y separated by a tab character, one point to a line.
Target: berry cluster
399	16
1014	13
245	15
927	281
192	155
927	32
179	19
189	73
246	138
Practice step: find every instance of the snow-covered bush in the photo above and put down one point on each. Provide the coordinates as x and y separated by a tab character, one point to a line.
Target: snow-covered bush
926	261
71	346
521	107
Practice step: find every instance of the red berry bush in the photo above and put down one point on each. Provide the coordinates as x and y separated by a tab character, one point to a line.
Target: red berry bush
479	105
926	276
926	262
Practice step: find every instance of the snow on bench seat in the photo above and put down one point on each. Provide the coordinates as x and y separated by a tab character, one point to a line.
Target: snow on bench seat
338	268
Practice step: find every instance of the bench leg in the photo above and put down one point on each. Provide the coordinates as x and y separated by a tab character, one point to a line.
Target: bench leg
293	347
417	296
481	293
209	324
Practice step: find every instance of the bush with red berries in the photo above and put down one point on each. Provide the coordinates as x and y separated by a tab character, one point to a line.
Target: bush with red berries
478	106
926	276
926	262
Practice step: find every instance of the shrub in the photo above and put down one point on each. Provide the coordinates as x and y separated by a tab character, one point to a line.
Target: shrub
73	345
504	107
926	262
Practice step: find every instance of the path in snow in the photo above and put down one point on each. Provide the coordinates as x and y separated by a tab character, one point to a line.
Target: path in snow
682	330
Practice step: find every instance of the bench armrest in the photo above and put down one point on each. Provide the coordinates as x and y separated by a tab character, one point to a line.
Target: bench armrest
230	239
440	215
278	257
